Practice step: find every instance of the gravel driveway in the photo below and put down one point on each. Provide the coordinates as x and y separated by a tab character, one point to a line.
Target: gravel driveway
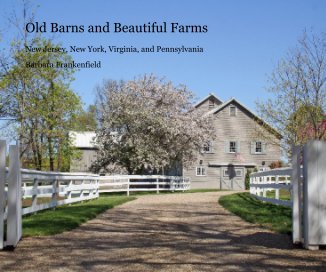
171	232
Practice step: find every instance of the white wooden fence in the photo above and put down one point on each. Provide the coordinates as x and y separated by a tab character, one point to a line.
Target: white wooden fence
138	183
306	183
44	190
262	183
56	189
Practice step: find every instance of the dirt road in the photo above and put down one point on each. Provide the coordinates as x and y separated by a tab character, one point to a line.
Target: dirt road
170	232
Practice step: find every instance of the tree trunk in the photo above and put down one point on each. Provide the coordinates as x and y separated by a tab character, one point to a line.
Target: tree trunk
51	153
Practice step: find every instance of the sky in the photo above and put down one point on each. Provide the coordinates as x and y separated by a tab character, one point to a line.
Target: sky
243	44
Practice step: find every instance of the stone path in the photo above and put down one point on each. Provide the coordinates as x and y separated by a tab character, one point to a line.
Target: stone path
172	232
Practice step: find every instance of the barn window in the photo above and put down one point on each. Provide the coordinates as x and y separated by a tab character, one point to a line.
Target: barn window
200	171
232	147
233	111
207	147
238	172
258	147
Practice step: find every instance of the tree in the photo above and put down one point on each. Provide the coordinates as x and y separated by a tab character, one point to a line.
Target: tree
38	100
147	124
86	120
308	122
298	88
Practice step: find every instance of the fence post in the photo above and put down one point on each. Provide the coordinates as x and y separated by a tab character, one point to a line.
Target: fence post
277	191
183	184
97	192
157	187
314	191
81	193
54	193
128	186
172	184
34	197
68	193
296	195
2	188
14	224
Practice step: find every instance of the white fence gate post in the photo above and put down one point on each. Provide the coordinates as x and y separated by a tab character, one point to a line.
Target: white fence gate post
2	189
296	195
314	194
14	218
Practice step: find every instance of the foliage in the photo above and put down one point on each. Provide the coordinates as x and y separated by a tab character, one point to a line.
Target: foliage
85	120
147	124
66	218
247	180
276	164
276	218
38	101
308	122
298	86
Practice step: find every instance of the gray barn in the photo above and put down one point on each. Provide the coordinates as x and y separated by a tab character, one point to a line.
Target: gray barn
84	142
223	162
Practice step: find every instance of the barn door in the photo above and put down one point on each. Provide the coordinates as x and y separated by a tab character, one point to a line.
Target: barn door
232	178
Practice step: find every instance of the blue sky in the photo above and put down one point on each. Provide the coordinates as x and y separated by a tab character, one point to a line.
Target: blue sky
244	42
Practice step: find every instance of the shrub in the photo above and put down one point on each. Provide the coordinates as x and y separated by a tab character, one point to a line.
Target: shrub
276	164
247	180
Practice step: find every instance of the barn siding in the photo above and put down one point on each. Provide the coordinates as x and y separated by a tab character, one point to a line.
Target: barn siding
84	162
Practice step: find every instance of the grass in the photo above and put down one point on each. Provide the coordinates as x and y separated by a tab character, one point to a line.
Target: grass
284	194
66	217
274	217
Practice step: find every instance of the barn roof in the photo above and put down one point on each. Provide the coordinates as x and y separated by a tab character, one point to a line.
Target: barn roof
83	139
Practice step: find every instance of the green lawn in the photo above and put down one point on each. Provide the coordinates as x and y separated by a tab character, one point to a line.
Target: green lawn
284	194
67	217
274	217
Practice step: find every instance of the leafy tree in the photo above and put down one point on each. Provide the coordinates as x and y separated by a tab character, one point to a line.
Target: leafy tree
308	122
147	124
38	100
86	120
298	88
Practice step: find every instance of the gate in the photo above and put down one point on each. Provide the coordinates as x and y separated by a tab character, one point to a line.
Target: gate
307	183
10	196
309	191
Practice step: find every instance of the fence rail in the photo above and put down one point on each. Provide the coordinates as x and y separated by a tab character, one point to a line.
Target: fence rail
57	188
67	188
262	183
137	183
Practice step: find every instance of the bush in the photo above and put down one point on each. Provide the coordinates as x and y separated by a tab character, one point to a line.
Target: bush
247	180
276	164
